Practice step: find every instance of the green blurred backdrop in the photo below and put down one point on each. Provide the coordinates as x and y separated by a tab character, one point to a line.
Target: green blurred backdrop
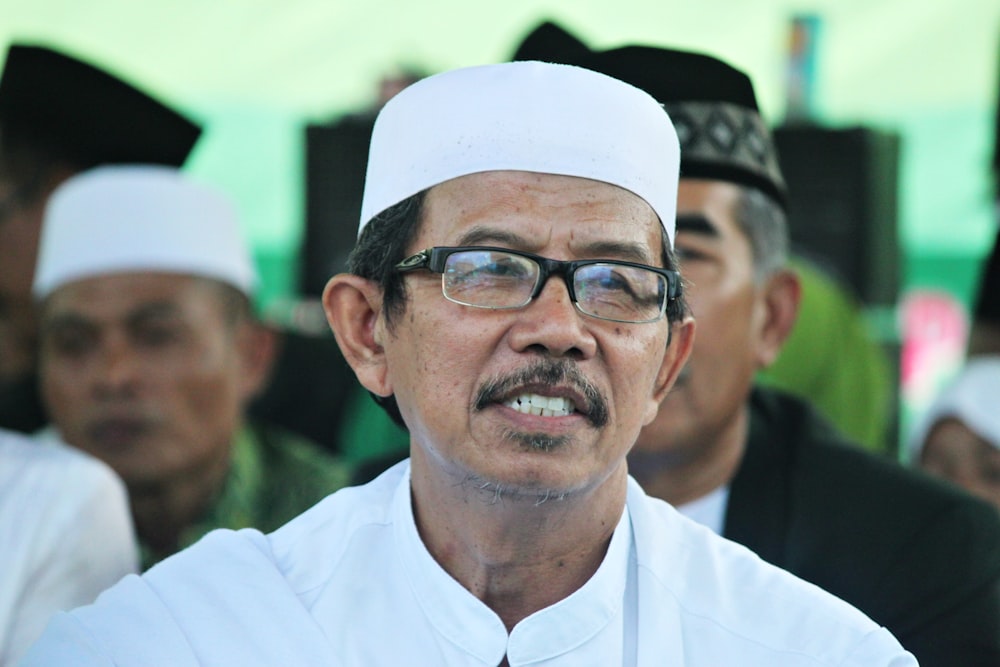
256	70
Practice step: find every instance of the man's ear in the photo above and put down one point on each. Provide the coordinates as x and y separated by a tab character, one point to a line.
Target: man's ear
779	303
681	343
353	308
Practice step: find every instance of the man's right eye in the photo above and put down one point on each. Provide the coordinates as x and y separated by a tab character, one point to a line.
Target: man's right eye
71	344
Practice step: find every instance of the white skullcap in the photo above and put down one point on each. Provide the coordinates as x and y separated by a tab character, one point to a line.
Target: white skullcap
126	218
524	116
972	397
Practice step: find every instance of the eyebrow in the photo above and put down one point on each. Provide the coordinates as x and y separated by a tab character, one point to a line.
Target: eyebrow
606	249
153	310
62	321
146	311
484	236
696	223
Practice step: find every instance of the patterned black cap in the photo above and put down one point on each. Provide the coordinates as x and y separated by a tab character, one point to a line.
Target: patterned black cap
712	104
90	116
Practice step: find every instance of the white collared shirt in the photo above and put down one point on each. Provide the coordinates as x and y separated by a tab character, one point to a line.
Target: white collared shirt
351	583
709	510
65	535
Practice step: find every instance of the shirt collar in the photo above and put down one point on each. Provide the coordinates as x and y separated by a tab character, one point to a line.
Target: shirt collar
709	510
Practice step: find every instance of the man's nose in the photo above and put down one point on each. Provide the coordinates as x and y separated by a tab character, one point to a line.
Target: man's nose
551	323
117	367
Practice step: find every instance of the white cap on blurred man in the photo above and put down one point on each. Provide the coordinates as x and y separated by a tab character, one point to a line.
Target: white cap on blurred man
123	218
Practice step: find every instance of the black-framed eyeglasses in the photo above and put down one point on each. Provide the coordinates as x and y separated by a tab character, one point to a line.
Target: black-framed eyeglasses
501	278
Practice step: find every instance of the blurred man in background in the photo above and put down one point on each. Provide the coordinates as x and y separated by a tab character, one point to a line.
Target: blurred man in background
58	116
958	436
150	353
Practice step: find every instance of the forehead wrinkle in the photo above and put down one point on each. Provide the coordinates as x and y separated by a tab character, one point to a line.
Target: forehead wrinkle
597	249
609	249
505	218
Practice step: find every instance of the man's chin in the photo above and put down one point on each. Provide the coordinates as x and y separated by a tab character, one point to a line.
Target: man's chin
528	476
513	489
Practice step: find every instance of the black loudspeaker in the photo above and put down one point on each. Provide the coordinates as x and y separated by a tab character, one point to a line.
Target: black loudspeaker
336	156
843	213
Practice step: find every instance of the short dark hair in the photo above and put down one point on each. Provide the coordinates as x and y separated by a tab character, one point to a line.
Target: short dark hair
765	225
383	243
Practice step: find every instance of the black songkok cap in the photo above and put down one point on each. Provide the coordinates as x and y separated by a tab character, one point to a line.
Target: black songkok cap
89	116
551	43
712	104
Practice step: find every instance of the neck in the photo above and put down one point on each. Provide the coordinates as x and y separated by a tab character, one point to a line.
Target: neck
163	509
517	555
687	471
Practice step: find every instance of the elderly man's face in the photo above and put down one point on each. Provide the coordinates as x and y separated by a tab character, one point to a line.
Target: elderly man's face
144	371
456	370
958	454
717	262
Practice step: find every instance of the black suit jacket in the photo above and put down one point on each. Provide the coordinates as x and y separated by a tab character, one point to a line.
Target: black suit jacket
917	556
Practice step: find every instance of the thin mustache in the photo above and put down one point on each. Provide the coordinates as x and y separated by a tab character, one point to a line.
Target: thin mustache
549	372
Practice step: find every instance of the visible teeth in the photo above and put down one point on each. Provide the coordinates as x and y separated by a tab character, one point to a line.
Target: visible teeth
543	406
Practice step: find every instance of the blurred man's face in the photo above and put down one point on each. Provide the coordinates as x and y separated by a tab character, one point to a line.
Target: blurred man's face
717	264
958	454
144	371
